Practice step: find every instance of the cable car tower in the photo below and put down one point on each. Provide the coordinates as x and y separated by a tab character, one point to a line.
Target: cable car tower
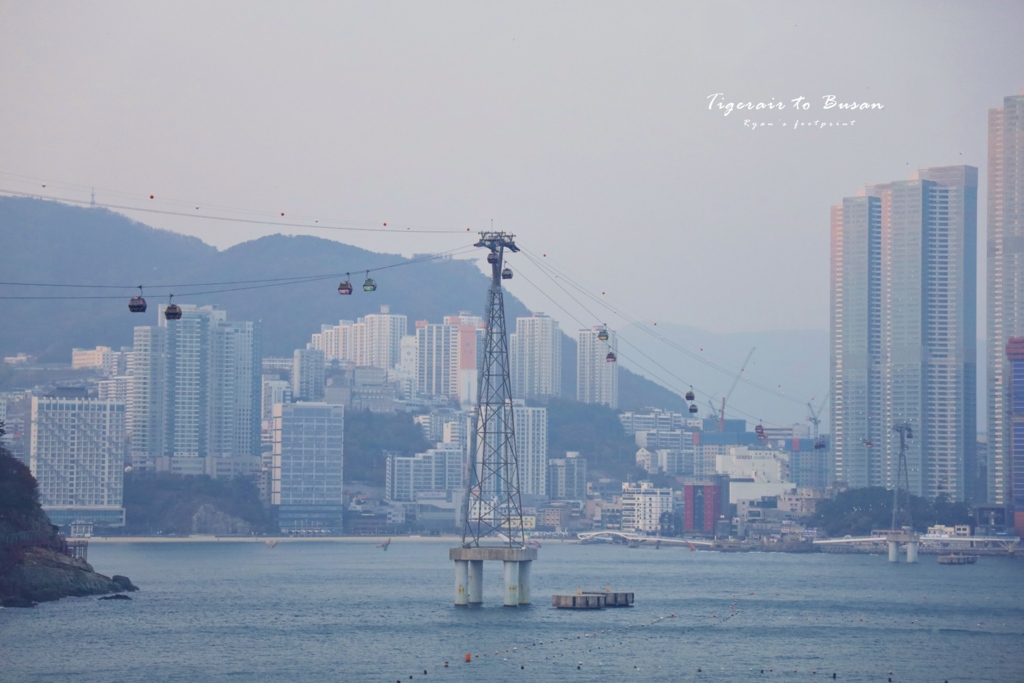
492	506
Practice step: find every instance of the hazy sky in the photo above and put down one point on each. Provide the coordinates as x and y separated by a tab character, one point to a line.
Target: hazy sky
582	127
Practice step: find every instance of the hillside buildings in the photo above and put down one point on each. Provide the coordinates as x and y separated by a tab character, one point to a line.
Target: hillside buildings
535	356
904	330
597	378
374	340
103	358
1005	273
195	394
441	469
307	467
77	451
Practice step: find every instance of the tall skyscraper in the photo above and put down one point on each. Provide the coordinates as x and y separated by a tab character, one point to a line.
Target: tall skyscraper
308	465
195	389
535	354
77	457
437	357
904	292
1005	275
597	378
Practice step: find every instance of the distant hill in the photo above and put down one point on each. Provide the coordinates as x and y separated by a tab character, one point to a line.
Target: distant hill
49	242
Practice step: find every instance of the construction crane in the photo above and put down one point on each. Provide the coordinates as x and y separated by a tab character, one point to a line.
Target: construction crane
725	399
815	415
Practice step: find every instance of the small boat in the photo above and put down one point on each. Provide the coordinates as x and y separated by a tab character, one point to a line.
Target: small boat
953	558
271	543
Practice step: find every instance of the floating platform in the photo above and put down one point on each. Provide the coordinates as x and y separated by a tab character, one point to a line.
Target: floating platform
580	601
957	559
614	598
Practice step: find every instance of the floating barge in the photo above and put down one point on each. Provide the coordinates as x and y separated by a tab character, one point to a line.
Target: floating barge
958	559
593	600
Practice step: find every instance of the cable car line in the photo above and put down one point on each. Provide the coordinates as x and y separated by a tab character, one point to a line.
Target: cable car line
652	376
650	332
254	221
273	282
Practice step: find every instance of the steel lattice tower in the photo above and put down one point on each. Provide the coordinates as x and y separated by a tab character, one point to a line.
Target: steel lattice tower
902	481
493	505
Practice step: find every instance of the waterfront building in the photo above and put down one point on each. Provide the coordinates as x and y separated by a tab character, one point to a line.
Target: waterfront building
77	455
1015	430
643	506
567	477
535	357
702	505
903	331
307	467
308	375
597	379
1005	273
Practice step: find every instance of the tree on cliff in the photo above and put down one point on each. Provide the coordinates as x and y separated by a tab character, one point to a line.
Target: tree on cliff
19	495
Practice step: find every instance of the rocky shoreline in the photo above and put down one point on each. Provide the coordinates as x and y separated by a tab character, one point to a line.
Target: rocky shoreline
41	574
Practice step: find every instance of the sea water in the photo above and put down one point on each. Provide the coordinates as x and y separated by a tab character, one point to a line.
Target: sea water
349	611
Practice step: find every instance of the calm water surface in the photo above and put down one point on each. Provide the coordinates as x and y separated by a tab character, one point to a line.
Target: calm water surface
351	612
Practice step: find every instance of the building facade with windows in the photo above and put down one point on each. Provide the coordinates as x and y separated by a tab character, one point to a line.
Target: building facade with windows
77	455
597	377
535	357
308	466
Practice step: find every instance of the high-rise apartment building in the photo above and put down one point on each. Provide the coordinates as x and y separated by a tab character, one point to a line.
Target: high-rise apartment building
597	374
531	447
904	331
307	466
373	340
77	457
1005	275
194	394
308	376
535	357
103	358
567	477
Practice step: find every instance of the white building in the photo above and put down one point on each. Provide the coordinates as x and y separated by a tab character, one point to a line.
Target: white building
77	454
658	420
439	469
308	466
104	358
531	447
535	357
597	378
642	507
761	466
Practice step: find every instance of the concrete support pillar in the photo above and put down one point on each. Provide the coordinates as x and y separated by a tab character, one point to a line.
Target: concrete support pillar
461	582
524	582
912	551
476	582
511	583
893	550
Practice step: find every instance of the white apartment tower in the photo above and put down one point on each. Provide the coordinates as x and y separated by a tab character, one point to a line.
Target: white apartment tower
597	377
308	375
531	447
535	356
